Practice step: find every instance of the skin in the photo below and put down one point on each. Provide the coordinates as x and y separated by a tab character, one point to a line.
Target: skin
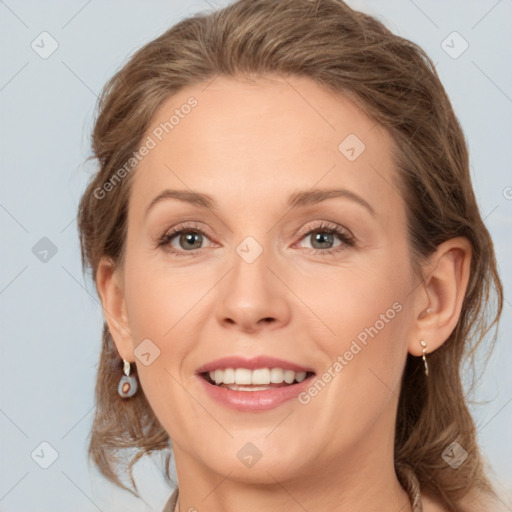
250	145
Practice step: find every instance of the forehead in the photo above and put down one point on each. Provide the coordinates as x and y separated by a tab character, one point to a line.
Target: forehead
264	138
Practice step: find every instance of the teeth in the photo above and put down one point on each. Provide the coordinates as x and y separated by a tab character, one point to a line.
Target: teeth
228	376
289	376
276	375
260	377
242	376
300	376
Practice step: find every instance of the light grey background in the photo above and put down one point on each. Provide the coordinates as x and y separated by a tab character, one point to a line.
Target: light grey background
50	316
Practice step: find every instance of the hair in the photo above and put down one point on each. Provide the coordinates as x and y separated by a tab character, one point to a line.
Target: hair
395	83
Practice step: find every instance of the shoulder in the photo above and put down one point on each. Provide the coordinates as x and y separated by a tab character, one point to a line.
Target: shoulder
473	502
483	502
171	502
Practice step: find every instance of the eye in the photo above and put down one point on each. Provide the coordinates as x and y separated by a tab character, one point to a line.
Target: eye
324	235
188	238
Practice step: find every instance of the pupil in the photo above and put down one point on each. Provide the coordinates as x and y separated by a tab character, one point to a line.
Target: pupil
189	237
321	238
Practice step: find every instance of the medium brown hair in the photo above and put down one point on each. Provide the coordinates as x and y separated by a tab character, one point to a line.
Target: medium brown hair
396	84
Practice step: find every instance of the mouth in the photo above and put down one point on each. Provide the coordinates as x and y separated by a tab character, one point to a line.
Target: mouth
259	379
254	385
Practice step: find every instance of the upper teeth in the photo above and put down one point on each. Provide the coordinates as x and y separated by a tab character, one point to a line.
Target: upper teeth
260	376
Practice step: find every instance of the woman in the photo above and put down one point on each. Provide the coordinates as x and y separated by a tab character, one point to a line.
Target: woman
291	262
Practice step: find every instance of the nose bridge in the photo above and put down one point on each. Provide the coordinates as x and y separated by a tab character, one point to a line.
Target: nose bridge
251	295
250	275
251	263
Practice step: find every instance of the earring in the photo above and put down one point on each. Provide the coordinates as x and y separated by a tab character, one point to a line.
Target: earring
424	345
127	385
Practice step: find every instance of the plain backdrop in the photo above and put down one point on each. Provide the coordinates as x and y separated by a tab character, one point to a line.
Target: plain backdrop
50	316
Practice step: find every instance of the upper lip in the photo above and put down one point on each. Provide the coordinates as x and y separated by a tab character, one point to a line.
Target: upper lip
252	364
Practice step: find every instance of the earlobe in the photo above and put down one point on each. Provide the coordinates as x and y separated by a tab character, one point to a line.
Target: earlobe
111	292
445	284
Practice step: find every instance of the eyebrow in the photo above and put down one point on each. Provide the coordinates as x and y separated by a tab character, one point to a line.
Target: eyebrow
296	200
315	196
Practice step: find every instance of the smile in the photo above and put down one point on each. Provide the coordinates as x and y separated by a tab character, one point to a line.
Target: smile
253	385
254	380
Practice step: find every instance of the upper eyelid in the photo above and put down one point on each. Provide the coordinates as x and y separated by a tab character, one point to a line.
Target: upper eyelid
193	226
323	224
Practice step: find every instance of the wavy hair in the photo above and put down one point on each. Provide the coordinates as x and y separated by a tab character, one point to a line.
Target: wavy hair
395	83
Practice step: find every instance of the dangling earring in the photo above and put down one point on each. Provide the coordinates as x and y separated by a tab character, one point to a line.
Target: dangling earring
424	345
128	384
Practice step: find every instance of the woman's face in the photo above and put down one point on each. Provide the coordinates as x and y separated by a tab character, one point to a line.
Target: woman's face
261	279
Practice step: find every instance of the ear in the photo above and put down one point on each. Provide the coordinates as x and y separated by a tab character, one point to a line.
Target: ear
442	291
110	285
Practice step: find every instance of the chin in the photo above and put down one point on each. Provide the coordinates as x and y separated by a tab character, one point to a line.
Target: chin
256	459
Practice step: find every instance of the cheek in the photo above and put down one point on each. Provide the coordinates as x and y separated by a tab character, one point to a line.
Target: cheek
364	358
350	301
157	307
364	321
160	298
168	307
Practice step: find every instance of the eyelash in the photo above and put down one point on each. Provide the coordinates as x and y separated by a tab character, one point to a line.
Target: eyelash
323	227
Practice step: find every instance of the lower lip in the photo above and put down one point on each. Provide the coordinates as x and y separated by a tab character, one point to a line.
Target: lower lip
247	401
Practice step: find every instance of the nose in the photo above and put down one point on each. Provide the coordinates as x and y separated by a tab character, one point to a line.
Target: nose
253	297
